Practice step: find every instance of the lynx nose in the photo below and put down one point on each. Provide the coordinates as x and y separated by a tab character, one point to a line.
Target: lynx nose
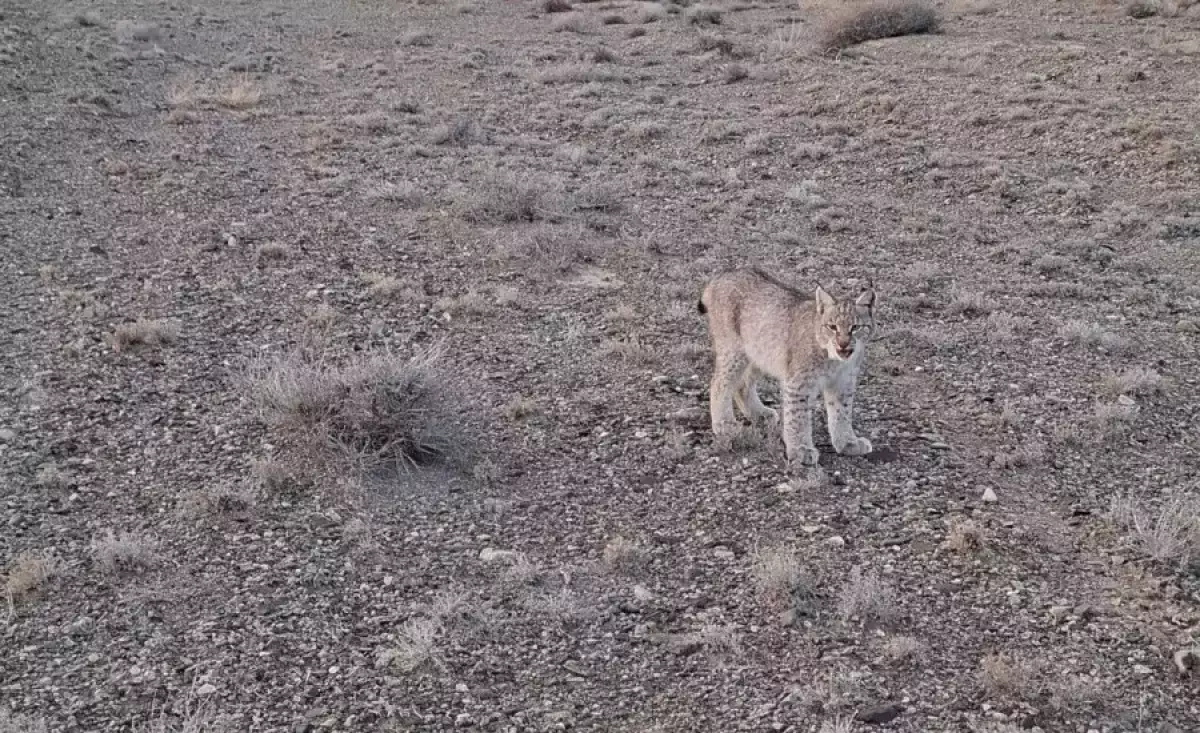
844	349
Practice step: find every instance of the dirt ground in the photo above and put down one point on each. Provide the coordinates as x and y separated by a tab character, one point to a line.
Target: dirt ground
544	194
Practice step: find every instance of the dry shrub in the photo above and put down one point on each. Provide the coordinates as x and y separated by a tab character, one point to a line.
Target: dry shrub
622	554
878	19
556	6
554	248
30	571
1008	678
377	411
127	551
143	332
903	648
867	597
1170	535
1139	381
781	577
11	722
240	95
507	197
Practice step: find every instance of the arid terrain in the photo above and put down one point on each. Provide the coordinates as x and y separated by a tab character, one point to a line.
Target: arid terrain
228	227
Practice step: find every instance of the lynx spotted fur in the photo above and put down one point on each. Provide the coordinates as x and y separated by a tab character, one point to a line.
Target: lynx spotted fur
814	346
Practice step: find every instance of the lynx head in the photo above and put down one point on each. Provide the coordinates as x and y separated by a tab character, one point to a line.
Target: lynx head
843	327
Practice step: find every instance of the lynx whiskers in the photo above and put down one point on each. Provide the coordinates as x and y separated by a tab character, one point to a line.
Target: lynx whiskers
814	346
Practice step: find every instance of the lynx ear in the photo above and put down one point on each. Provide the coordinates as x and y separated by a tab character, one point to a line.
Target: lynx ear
825	301
866	299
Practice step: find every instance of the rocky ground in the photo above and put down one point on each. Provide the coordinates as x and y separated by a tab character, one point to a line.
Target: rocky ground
187	190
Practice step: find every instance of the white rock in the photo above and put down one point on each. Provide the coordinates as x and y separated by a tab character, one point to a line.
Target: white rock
989	496
1142	669
642	593
491	554
834	541
206	689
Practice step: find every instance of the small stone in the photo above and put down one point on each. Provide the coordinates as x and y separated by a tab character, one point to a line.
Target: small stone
880	714
989	496
724	553
834	541
1085	612
1126	401
1142	669
7	435
464	720
1186	326
788	618
491	554
206	689
642	593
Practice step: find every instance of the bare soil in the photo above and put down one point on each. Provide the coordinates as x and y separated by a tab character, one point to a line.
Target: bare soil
185	188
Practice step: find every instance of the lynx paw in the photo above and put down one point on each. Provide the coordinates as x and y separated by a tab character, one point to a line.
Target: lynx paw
804	456
856	447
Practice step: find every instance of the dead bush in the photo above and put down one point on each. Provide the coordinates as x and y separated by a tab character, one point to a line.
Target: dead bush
29	572
143	332
506	197
878	19
377	411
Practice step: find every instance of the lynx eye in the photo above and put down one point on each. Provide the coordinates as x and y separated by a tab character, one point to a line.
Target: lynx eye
831	327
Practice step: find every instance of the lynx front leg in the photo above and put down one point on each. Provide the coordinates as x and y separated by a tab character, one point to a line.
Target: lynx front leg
726	373
798	403
839	409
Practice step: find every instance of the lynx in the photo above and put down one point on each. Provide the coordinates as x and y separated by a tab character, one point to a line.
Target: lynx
814	346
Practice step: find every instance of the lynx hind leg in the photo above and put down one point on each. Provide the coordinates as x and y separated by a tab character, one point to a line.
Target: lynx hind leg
727	370
839	410
748	400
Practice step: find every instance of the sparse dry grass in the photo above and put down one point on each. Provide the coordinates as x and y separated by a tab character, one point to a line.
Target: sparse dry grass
1169	535
143	332
969	302
125	552
13	723
506	197
242	94
461	133
379	410
899	649
1006	677
867	597
1138	381
622	554
875	20
1023	456
416	645
30	571
781	577
407	194
216	500
1090	334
